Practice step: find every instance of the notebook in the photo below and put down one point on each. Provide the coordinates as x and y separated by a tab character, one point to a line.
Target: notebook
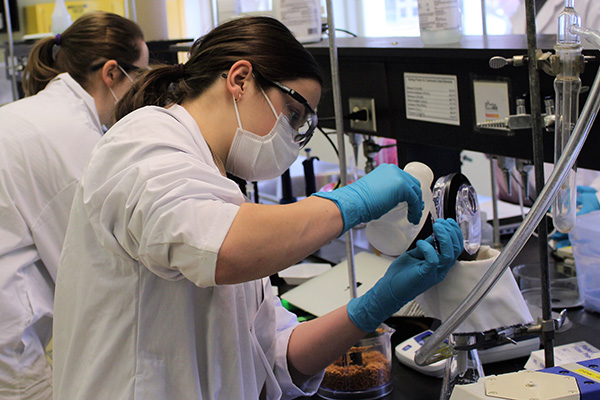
331	290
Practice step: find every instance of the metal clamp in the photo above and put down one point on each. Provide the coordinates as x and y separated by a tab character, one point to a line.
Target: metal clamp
521	120
498	62
546	61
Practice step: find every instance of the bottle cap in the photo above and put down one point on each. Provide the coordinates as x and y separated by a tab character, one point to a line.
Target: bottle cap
420	171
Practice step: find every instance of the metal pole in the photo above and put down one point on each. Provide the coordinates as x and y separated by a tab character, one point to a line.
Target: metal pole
339	125
538	162
133	11
483	17
12	70
496	242
215	12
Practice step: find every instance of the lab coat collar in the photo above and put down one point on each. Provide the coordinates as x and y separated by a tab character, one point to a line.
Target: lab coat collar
80	92
186	119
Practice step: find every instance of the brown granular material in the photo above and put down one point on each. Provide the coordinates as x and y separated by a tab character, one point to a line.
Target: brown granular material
350	373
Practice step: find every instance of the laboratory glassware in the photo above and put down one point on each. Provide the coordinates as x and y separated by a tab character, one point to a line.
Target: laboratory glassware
440	22
433	349
455	197
364	371
567	86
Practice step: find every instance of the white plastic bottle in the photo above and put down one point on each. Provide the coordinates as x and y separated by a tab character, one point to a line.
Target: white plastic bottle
393	233
61	19
440	21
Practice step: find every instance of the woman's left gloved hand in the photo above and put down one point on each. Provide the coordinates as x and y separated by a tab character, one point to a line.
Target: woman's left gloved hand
409	275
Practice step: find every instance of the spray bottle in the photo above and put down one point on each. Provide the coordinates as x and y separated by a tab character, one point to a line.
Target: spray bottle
61	19
392	234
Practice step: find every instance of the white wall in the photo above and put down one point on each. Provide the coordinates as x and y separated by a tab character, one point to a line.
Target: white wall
199	18
476	167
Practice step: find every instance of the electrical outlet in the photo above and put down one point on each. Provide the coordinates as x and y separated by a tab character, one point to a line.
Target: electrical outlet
359	104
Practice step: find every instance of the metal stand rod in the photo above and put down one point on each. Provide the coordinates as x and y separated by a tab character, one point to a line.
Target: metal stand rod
12	70
496	220
538	162
130	10
215	12
339	126
483	17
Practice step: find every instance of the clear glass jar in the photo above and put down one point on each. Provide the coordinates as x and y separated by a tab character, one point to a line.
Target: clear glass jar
364	372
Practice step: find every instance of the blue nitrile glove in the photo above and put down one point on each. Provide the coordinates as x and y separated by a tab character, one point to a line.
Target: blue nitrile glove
409	275
375	194
587	201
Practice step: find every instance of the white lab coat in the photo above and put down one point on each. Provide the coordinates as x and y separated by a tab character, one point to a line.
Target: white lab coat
137	312
44	143
546	20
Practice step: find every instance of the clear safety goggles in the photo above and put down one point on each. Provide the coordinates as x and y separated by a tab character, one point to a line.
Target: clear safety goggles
302	118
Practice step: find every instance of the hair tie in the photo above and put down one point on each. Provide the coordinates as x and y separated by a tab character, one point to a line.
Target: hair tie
57	39
179	69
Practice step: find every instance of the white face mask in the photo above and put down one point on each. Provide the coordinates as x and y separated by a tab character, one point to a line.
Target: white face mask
255	158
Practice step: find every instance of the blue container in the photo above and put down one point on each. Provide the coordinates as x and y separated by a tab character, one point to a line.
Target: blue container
585	240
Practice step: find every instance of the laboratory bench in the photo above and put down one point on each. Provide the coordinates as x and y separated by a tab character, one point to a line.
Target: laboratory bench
409	384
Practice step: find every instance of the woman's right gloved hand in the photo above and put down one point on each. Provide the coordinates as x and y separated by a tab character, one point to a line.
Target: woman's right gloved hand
408	276
375	194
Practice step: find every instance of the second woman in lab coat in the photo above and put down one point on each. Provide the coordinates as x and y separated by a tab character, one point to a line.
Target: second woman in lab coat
72	81
163	289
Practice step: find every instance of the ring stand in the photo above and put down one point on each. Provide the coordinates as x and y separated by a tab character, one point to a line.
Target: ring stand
463	368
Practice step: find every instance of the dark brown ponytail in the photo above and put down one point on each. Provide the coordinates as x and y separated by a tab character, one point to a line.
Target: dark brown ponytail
272	49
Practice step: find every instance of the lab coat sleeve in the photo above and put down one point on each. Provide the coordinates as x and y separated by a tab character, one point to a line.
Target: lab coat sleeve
159	202
49	230
287	321
180	226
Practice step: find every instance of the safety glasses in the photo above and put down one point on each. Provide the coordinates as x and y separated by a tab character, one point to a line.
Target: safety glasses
125	67
303	119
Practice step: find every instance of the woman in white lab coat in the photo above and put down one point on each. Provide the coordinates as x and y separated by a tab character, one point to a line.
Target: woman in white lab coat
163	289
45	140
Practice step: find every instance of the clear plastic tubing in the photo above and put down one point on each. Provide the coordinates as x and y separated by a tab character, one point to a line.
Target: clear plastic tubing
567	86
